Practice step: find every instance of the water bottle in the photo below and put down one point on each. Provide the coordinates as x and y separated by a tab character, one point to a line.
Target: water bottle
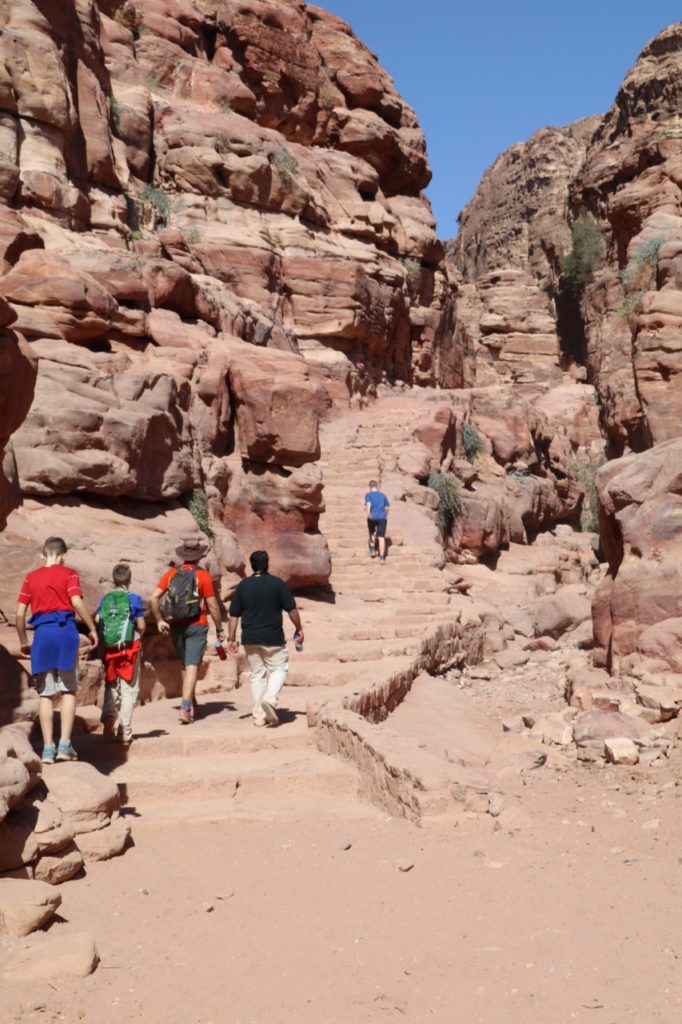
220	650
298	641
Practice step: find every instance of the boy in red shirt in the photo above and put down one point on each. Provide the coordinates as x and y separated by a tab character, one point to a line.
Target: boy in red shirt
54	595
190	634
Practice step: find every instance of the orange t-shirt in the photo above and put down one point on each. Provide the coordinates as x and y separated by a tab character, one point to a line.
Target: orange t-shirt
204	584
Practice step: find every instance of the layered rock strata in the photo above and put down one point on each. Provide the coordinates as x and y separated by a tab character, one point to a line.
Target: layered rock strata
593	214
197	200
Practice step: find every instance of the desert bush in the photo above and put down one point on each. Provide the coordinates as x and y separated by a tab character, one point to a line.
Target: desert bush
221	144
153	83
224	105
639	276
583	468
155	207
115	113
193	236
587	254
449	490
283	160
472	442
413	268
196	503
129	16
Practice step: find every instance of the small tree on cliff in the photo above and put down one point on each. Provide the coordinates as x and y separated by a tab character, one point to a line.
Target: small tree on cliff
587	254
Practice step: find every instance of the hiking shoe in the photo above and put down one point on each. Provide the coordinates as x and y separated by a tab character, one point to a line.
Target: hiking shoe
65	752
372	551
108	730
270	713
49	754
185	717
382	560
257	722
124	738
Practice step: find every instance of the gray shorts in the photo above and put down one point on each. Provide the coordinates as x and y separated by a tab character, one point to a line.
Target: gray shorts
190	643
54	682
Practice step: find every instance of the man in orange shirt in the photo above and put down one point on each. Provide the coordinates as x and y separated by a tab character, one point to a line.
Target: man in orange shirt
189	600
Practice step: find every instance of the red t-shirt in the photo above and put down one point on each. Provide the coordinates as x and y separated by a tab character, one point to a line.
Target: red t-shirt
204	585
50	589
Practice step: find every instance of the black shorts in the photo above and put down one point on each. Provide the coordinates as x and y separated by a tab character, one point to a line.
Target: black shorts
190	643
377	526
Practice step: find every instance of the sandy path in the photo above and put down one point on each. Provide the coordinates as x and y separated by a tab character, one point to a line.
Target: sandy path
574	918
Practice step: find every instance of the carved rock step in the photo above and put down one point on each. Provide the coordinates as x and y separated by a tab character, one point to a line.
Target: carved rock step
262	774
180	812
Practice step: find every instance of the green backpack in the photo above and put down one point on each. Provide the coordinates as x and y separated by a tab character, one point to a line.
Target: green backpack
116	626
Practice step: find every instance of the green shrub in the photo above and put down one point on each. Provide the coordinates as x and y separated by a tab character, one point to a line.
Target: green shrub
136	235
583	468
116	114
196	503
472	442
153	83
283	160
156	207
639	276
413	268
588	251
449	490
129	16
193	236
224	105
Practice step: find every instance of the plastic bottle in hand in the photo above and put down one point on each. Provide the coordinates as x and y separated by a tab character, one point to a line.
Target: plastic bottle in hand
298	641
220	650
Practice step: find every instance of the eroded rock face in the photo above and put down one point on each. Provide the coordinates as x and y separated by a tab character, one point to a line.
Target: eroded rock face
211	229
631	183
17	382
518	216
637	610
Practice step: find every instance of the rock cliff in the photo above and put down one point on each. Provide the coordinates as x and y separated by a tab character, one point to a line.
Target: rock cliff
568	258
211	230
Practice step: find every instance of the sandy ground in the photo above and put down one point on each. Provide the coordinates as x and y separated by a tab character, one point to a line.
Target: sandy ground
575	917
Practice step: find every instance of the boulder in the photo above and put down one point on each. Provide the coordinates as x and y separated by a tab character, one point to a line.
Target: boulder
561	612
58	867
25	905
621	750
86	798
104	842
52	957
276	407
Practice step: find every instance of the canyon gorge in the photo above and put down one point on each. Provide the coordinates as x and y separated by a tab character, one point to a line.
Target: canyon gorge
224	308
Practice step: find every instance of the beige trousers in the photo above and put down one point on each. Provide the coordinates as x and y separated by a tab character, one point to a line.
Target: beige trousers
268	668
121	697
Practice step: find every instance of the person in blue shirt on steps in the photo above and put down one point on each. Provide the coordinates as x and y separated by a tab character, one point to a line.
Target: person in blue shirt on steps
377	506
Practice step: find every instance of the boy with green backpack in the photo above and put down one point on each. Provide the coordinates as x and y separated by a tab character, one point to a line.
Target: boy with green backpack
120	624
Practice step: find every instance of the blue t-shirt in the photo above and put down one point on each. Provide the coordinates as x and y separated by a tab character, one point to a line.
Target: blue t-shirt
378	504
136	607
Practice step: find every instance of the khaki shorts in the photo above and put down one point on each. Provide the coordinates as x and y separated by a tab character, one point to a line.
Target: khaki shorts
56	681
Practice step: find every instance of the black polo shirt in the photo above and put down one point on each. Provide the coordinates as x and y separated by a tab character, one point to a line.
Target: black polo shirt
259	602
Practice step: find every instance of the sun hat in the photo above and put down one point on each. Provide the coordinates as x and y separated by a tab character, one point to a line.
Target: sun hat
192	550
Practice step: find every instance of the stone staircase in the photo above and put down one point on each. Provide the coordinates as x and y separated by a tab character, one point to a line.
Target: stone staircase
366	642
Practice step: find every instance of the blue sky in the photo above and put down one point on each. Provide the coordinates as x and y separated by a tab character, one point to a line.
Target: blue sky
482	76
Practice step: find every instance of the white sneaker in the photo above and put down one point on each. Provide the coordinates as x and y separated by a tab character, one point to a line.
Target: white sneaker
270	713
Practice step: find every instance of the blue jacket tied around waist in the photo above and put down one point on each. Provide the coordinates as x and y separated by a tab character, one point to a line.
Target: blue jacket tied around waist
55	642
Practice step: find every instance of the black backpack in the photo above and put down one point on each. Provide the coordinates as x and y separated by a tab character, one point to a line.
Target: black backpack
181	601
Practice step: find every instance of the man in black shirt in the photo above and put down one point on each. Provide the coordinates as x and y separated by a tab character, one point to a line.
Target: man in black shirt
259	602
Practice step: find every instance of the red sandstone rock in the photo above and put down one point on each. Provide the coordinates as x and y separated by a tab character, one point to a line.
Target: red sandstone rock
640	609
49	957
